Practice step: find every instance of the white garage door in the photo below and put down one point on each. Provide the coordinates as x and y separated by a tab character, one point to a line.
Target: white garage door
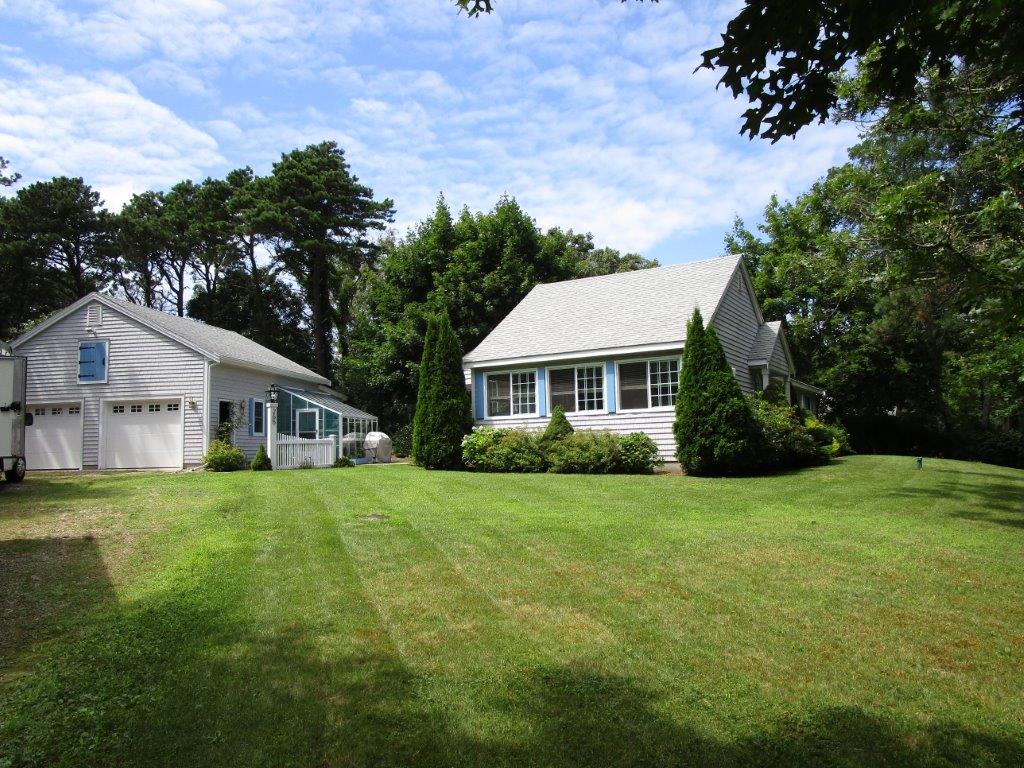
54	440
140	434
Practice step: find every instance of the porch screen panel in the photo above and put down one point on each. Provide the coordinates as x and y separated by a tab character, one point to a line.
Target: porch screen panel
284	414
332	426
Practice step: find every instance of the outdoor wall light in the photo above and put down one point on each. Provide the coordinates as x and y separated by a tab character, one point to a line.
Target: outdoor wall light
272	394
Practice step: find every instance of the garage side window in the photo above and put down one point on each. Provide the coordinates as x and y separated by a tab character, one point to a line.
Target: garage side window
258	417
92	362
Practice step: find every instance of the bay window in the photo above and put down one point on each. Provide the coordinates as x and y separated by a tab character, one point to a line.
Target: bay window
648	384
577	389
512	394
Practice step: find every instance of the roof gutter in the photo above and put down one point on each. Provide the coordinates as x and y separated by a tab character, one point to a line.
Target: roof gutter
576	355
310	377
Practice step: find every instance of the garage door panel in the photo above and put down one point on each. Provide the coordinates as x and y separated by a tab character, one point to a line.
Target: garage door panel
150	436
54	439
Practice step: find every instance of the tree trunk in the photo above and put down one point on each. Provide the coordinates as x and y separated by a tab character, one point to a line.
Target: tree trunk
179	293
319	307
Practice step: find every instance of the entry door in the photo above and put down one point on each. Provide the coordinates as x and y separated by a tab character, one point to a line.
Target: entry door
305	424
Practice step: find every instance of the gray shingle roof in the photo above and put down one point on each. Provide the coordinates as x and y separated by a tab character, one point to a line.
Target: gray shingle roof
764	342
228	346
646	307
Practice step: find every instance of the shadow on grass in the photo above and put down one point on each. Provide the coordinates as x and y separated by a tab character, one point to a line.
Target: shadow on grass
995	498
188	679
47	584
45	493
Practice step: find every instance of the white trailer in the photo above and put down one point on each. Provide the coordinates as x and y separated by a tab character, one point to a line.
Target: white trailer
13	417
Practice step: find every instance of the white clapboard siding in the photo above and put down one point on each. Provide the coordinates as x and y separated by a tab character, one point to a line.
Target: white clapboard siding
736	324
140	364
235	384
293	452
657	424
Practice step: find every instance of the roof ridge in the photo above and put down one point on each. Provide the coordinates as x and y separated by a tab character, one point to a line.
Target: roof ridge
591	278
132	306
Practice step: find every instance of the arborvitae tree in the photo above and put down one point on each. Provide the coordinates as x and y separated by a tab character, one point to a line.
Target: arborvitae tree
424	390
557	428
715	430
261	461
443	415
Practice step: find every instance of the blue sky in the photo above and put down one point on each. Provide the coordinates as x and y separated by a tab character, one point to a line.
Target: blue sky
587	111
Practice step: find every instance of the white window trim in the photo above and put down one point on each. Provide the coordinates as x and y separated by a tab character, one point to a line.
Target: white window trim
647	361
78	354
576	375
263	405
536	399
315	412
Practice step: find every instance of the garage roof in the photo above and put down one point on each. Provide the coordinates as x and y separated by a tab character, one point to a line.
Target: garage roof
218	344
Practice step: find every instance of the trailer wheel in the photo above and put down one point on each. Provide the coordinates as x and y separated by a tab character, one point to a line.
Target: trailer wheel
16	473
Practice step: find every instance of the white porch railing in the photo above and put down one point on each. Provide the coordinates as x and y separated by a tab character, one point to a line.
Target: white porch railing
292	452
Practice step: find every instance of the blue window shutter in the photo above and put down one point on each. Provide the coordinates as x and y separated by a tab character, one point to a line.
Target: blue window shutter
479	395
252	409
88	354
609	386
542	392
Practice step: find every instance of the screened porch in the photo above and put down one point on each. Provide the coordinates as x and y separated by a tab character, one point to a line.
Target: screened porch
313	415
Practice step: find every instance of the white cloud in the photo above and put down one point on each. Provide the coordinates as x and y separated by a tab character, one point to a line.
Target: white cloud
588	111
167	74
97	127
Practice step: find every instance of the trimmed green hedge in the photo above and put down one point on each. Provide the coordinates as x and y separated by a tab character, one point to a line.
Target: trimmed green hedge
487	449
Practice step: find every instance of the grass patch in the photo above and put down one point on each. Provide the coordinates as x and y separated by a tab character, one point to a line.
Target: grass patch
859	614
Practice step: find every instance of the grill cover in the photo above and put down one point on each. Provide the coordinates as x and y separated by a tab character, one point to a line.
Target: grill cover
377	447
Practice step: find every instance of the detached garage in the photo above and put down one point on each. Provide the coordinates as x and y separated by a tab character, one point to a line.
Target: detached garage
113	385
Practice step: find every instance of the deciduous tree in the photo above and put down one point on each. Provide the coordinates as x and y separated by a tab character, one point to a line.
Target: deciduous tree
790	58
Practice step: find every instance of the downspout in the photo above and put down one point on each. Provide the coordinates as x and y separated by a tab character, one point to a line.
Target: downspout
206	407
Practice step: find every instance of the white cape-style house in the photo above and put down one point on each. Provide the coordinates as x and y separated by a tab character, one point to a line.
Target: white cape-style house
608	349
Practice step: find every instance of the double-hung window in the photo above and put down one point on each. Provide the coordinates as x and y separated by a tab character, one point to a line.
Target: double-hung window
512	394
648	384
578	389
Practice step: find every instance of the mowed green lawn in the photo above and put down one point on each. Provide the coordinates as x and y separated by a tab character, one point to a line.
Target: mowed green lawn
860	614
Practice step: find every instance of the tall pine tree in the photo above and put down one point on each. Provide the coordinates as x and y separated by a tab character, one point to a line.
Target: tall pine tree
443	415
323	221
715	430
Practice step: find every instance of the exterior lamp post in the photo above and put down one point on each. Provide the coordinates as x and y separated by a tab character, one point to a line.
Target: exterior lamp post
272	423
